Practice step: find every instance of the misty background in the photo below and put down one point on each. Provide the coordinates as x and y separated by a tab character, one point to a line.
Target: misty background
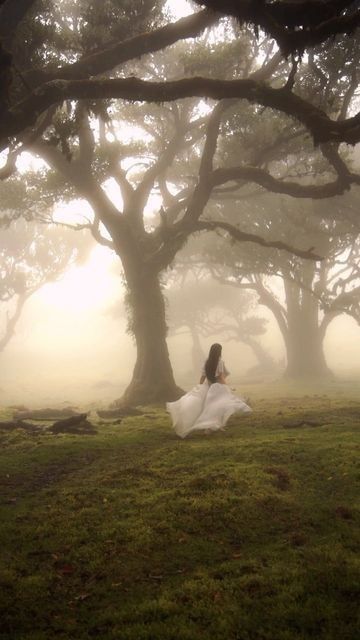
71	342
69	347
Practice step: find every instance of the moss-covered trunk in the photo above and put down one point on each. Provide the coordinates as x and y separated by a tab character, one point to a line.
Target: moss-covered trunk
153	379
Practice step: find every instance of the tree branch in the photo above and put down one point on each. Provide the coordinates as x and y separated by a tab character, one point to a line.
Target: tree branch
266	298
349	93
295	26
331	153
11	14
93	227
212	134
164	160
109	215
320	126
294	189
103	61
86	139
241	236
27	140
119	175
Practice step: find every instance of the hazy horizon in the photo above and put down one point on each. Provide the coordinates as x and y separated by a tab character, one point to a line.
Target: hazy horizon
68	347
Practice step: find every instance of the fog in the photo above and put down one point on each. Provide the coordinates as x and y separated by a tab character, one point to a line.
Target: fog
70	348
277	283
179	318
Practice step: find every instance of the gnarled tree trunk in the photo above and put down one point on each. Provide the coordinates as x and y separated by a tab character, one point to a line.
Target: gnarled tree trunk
153	379
305	354
304	339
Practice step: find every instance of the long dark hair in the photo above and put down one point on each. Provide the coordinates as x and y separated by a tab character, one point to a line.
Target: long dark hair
212	361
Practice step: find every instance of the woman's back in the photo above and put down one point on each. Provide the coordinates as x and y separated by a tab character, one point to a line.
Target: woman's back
219	375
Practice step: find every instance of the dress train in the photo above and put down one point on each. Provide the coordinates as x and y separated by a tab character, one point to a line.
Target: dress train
205	407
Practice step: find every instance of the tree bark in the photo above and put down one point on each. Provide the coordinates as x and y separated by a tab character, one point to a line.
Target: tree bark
298	321
305	356
304	340
153	379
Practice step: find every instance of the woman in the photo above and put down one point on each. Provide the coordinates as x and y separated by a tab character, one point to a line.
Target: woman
209	405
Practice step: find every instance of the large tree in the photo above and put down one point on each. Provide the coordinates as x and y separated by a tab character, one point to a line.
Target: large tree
303	296
83	141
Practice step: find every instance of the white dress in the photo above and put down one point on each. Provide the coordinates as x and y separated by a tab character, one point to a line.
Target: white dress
205	407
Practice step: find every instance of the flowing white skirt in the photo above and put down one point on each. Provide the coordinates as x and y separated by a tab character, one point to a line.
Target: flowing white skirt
205	407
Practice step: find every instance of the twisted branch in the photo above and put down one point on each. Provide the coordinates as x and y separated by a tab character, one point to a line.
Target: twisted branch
320	126
241	236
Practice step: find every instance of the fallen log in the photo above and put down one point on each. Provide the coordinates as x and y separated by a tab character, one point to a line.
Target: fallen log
75	424
45	414
11	425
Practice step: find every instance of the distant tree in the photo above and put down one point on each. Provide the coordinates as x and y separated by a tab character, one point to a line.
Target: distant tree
303	296
202	308
31	255
178	155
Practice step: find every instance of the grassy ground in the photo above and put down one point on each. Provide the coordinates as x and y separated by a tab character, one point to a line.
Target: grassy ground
133	534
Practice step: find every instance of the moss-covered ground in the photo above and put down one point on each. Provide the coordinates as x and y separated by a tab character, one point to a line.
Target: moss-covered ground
133	534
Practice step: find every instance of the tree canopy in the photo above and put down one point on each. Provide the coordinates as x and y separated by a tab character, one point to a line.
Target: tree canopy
229	111
303	296
294	26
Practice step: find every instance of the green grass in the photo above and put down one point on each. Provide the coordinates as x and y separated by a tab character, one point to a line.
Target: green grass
133	534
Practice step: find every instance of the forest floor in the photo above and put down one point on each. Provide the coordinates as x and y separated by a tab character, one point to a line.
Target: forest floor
133	534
